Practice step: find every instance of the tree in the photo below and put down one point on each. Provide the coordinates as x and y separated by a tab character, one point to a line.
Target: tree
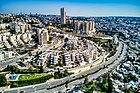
60	63
86	81
30	69
41	69
67	83
94	86
3	81
66	72
13	68
22	59
110	84
37	69
109	40
56	76
88	90
66	39
29	53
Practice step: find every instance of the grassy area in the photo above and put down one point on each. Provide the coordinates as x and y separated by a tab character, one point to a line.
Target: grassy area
25	80
31	76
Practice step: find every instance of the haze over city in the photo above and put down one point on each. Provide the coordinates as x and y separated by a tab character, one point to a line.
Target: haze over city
74	8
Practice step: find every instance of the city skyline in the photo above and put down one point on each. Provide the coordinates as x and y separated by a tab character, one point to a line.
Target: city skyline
65	46
73	8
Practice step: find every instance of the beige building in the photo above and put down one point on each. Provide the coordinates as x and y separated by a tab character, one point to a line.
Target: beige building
20	27
84	27
43	36
3	26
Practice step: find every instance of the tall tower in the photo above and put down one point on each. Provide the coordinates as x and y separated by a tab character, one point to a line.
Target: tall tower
63	16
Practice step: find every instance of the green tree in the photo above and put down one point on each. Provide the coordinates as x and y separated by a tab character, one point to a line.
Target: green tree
3	81
88	90
86	81
94	86
41	69
30	69
60	63
56	75
13	68
110	84
67	83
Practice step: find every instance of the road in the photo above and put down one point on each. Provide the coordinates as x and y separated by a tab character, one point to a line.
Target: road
5	63
90	77
54	86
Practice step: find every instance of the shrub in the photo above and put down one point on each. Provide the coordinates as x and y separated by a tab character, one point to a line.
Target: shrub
3	81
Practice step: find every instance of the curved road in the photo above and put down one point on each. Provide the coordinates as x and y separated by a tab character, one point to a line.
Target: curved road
53	86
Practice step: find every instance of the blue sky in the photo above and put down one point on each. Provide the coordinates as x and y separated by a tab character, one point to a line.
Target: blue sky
73	7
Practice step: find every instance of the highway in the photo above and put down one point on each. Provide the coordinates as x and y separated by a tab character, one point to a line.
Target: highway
54	86
90	77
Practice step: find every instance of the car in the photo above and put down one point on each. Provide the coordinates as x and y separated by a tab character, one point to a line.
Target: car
68	90
22	91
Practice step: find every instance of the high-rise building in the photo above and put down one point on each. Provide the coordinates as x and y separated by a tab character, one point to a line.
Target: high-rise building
84	27
43	36
63	16
76	27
